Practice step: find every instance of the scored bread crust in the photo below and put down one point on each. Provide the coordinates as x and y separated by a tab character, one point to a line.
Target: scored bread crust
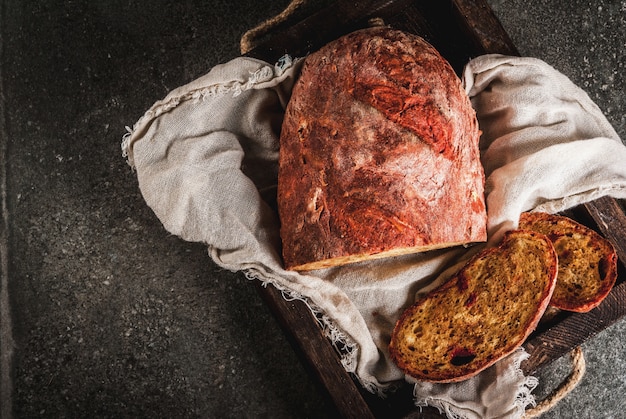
587	261
481	314
378	154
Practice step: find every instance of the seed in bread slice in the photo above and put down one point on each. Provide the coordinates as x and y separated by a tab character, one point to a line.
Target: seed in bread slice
481	314
587	261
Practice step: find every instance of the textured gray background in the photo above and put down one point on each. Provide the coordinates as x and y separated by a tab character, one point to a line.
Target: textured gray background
114	317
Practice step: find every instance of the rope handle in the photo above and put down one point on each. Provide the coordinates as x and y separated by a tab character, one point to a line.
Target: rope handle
570	382
250	38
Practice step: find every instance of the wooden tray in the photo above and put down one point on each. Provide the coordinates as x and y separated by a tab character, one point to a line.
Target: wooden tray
460	30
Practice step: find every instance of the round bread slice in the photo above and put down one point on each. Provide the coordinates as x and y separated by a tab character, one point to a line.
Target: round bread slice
587	261
481	314
378	152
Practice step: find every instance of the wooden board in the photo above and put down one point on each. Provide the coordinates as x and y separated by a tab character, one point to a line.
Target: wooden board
460	30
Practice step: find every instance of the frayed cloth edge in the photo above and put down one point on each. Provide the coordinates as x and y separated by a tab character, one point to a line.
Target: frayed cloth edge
523	399
338	339
345	347
263	74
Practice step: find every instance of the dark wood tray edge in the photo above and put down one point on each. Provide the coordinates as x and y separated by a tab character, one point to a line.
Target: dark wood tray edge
478	22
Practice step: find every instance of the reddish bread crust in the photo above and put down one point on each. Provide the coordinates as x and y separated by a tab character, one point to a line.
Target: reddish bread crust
481	314
587	261
378	154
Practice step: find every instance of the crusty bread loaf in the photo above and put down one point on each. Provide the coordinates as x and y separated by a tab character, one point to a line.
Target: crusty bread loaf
587	261
378	154
481	314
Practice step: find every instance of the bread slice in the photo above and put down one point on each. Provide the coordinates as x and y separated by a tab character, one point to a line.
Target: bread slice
587	261
378	151
483	313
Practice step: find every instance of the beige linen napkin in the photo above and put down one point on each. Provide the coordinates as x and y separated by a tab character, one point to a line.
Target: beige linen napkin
206	162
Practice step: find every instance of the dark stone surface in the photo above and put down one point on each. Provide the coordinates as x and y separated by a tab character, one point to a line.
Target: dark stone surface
114	317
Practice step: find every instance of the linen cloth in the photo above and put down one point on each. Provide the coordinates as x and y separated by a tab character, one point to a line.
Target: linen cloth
206	162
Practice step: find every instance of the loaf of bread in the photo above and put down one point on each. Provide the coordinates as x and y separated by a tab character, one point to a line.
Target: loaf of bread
378	154
587	261
484	312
